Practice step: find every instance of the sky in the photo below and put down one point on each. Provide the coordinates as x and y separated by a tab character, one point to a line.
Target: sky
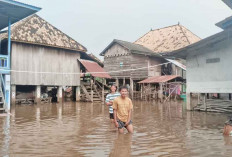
95	23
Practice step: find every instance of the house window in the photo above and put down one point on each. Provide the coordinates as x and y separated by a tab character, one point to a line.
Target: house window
213	60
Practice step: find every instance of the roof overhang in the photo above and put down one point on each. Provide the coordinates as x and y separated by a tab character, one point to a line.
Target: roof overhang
15	11
224	24
208	44
228	2
94	69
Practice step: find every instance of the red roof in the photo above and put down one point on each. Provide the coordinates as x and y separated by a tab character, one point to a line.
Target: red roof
94	69
159	79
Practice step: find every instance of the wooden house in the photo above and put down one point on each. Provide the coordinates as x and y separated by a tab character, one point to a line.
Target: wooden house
42	56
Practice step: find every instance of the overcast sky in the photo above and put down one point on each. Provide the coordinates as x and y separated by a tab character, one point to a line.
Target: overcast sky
95	23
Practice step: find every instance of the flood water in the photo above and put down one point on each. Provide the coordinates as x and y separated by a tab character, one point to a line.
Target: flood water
84	129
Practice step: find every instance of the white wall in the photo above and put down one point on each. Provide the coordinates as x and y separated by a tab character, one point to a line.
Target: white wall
215	77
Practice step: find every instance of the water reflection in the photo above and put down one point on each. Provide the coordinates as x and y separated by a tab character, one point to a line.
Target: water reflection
84	129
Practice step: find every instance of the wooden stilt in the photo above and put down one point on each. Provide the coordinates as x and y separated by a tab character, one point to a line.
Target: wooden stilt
103	90
132	88
13	94
78	93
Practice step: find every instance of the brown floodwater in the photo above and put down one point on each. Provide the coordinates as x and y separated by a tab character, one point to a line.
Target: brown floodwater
84	129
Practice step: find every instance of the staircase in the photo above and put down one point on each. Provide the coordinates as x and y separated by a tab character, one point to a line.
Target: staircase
86	92
2	100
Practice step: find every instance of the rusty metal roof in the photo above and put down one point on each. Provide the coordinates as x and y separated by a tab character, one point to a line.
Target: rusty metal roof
159	79
94	69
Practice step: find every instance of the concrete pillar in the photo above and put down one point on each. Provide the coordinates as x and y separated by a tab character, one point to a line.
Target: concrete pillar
132	88
204	101
13	94
38	94
59	94
78	93
188	105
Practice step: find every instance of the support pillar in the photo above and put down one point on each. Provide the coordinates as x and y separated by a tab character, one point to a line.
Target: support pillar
103	90
132	88
38	94
78	93
124	81
160	92
188	105
116	82
7	92
91	85
13	95
59	94
204	101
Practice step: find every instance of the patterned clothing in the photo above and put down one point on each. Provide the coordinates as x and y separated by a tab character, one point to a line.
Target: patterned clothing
123	106
111	97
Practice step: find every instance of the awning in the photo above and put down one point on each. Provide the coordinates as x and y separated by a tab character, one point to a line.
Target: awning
15	11
94	69
160	79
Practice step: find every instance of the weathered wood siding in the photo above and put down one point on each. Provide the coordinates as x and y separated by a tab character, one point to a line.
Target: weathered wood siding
155	70
32	58
118	54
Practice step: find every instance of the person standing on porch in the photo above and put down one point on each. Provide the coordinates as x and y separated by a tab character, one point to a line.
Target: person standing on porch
122	111
109	100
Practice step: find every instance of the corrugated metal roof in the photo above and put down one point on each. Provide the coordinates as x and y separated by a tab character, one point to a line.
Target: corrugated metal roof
159	79
132	47
94	69
35	30
168	39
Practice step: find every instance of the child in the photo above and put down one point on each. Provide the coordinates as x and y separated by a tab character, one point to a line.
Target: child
109	100
122	106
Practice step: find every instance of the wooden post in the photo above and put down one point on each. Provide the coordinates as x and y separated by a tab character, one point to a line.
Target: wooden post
198	98
124	81
116	82
13	94
141	88
91	85
160	92
59	94
78	93
132	88
103	91
37	94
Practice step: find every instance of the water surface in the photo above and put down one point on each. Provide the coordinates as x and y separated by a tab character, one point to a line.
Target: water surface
84	129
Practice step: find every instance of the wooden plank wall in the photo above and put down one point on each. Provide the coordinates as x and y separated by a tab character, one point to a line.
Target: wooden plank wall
27	57
118	54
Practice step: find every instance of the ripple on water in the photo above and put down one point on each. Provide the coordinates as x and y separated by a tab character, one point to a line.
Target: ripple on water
84	129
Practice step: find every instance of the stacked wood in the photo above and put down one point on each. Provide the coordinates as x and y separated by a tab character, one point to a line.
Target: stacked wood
215	105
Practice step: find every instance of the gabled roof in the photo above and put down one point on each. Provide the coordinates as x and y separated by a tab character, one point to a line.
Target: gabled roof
168	39
132	47
96	59
35	30
94	69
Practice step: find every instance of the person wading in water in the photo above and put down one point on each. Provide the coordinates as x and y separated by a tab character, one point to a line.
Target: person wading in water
122	111
109	100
